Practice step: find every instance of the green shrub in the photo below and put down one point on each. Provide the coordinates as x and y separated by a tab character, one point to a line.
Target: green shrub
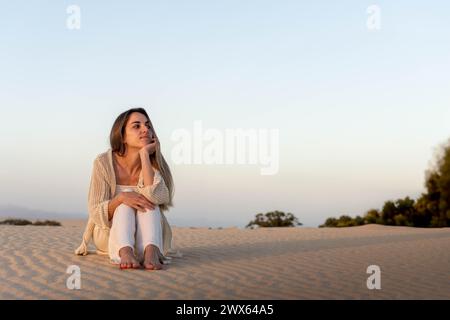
16	222
400	220
47	223
330	222
23	222
371	216
274	219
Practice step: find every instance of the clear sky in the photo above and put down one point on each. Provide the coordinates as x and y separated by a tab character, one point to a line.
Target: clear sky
359	112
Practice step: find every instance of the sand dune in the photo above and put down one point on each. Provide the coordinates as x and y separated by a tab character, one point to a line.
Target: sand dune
278	263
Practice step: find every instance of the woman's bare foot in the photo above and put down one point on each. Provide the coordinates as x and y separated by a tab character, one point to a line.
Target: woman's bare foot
127	259
152	258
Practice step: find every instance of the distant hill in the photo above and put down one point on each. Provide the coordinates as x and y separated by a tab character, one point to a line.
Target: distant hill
12	211
18	212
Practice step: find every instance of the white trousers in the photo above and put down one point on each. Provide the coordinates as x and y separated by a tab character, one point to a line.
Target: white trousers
134	229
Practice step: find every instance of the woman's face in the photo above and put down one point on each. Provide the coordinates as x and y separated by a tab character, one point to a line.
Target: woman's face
137	131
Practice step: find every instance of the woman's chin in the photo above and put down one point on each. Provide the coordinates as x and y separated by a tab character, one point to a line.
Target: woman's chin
138	146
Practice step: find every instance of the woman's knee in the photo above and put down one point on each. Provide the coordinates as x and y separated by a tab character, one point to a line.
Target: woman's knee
150	214
125	209
155	210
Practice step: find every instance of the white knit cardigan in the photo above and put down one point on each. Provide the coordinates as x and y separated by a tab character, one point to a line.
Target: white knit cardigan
101	191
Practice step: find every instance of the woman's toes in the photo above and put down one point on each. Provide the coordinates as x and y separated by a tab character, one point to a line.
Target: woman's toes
149	266
152	258
152	265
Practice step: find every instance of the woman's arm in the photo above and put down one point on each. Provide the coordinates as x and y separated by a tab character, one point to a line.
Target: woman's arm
147	169
131	199
154	188
99	196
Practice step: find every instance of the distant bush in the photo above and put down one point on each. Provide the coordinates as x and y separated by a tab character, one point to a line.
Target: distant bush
23	222
16	222
343	221
400	220
47	223
274	219
330	222
372	216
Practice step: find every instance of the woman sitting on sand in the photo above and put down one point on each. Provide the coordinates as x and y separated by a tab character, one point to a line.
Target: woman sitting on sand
131	186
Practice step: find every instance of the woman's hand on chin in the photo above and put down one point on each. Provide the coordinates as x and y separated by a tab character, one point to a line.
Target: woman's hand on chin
150	148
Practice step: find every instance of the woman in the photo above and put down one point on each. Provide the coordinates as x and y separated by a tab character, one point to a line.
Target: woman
131	186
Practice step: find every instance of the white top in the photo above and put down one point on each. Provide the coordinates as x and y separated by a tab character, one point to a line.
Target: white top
122	188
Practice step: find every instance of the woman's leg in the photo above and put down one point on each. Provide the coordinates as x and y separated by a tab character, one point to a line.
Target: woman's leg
121	237
149	237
